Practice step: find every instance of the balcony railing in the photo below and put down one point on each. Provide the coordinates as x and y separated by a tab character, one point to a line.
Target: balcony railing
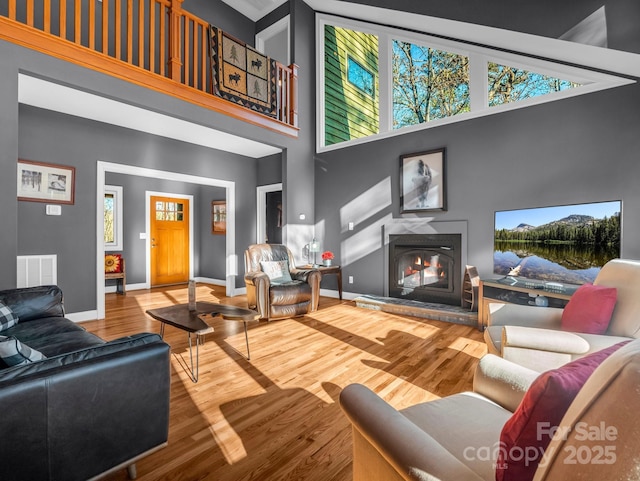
154	43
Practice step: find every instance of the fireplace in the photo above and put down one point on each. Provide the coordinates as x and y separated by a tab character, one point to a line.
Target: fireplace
426	267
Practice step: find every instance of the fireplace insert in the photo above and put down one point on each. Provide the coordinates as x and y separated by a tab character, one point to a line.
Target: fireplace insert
425	267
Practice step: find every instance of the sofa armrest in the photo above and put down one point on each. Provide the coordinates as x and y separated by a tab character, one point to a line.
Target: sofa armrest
82	418
541	349
543	340
34	302
306	275
519	315
257	277
412	452
502	381
67	360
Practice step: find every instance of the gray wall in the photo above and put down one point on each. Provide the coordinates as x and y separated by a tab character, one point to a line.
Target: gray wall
582	149
8	169
67	140
270	170
222	15
211	254
62	139
575	150
299	195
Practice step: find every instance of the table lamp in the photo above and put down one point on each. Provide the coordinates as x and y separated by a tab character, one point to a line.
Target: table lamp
314	246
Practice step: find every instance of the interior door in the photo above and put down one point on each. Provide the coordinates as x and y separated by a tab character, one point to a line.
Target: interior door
274	217
169	240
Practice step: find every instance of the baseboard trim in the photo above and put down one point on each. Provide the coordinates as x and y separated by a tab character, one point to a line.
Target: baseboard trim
349	296
130	287
82	316
209	280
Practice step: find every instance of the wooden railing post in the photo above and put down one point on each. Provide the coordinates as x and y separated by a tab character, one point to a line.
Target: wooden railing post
175	64
293	96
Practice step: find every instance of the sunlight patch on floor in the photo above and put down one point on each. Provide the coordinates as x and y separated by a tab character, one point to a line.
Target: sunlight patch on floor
229	442
469	346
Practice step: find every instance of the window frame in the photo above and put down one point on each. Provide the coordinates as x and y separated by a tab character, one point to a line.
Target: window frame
117	244
479	57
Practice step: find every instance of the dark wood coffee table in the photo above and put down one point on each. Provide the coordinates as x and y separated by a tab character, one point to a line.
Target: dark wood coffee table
181	317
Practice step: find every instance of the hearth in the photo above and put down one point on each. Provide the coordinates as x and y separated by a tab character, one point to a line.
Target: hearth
426	267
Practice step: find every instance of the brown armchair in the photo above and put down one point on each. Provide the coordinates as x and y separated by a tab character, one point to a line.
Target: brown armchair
287	292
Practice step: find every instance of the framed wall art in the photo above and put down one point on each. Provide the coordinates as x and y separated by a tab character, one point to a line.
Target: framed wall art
218	217
423	182
41	182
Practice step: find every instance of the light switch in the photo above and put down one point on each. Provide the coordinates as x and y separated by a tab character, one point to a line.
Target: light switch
53	209
143	235
350	225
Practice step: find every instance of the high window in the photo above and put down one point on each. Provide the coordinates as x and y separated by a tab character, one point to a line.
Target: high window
428	84
377	81
511	84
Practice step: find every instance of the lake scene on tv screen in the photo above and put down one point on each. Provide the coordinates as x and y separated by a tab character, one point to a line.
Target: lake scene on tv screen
566	244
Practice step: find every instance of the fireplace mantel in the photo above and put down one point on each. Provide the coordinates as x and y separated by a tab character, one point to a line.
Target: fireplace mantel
423	226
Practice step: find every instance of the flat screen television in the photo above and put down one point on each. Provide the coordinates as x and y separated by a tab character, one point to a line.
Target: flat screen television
565	244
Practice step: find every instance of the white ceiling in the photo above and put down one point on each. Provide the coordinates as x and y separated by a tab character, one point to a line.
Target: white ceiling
51	96
254	9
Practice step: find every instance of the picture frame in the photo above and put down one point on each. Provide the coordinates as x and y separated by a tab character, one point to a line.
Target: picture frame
43	182
218	217
423	182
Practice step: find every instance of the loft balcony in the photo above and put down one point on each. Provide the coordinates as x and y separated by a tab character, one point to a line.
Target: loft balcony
152	43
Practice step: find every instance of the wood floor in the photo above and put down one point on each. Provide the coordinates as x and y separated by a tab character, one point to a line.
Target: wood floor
277	416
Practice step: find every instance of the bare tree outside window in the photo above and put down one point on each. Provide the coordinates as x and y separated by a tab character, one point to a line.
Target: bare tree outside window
428	84
511	84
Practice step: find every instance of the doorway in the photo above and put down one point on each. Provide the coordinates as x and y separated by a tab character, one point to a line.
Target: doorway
231	259
170	226
269	214
274	217
274	41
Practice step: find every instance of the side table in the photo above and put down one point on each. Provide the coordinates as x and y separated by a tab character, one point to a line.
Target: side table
519	291
324	270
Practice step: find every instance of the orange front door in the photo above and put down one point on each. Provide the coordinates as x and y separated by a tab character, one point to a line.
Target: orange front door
169	240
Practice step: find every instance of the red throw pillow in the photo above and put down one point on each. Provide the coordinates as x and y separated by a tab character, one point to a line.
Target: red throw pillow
589	310
529	430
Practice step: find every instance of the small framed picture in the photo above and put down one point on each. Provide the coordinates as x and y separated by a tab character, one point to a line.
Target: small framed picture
218	217
41	182
423	182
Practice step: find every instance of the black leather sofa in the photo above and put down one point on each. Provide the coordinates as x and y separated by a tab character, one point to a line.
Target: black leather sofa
90	407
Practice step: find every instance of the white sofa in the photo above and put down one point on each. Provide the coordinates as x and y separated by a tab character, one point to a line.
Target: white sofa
531	336
455	438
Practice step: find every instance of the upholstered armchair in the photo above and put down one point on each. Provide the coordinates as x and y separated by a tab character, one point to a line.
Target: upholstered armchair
537	337
276	288
516	424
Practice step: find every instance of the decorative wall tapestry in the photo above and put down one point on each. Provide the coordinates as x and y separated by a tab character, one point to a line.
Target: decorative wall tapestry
241	74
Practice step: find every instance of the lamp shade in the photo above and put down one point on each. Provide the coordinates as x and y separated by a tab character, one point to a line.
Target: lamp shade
314	246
